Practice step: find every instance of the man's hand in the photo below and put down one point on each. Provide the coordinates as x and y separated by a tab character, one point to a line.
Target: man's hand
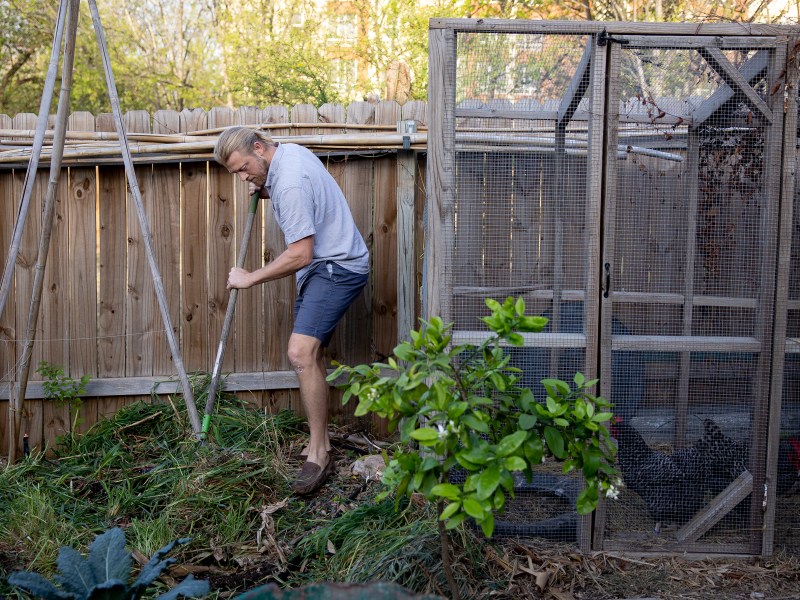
239	279
262	191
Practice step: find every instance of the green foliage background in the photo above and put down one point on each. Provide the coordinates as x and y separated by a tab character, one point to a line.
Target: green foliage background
176	54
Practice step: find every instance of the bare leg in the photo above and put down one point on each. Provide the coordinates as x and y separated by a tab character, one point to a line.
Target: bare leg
305	355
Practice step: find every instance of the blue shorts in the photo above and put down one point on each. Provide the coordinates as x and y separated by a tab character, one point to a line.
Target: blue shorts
324	296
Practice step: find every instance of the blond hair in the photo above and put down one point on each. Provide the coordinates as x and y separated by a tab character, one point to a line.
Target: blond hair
238	139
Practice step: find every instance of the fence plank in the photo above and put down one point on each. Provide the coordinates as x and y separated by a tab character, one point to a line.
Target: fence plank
164	214
246	345
221	251
112	261
8	334
384	250
304	113
350	343
194	200
81	270
143	326
24	273
278	296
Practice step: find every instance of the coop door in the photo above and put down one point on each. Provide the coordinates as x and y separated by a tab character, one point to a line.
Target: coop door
521	217
687	262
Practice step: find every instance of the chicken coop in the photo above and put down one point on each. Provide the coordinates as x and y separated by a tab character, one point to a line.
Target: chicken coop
635	183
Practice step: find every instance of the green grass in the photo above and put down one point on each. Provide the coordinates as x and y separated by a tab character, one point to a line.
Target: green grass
142	470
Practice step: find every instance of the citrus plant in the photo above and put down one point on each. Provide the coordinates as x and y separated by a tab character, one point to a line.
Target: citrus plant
461	409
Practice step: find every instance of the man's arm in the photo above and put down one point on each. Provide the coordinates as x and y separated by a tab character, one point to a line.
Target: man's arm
291	260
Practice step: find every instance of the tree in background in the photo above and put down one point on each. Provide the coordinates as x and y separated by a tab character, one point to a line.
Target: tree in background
175	54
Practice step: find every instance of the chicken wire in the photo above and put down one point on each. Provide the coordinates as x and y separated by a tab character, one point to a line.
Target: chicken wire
687	262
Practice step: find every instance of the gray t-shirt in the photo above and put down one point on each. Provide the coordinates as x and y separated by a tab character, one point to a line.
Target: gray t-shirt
307	201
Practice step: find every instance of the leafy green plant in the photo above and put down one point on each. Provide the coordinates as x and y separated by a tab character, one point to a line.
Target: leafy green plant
105	574
64	390
464	408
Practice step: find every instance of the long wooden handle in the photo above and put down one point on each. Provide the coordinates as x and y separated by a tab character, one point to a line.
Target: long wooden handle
226	325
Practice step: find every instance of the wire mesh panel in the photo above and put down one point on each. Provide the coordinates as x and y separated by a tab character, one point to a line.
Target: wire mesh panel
627	187
521	167
688	251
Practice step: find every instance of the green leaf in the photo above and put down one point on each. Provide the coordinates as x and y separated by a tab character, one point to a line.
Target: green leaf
534	450
519	306
591	461
579	379
476	424
425	434
499	500
552	405
585	504
555	441
516	463
363	407
488	482
603	416
450	510
527	421
188	588
37	586
108	559
473	508
511	442
561	422
556	385
446	490
487	525
455	521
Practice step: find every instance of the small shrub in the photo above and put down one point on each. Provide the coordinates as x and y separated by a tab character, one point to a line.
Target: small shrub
105	574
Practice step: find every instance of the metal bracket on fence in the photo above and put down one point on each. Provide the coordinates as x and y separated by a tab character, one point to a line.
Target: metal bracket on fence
407	128
604	39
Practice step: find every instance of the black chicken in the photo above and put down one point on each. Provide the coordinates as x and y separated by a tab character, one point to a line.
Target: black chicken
724	459
669	484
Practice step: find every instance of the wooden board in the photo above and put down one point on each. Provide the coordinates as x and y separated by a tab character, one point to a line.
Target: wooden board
112	273
247	342
194	284
221	240
164	214
81	273
143	324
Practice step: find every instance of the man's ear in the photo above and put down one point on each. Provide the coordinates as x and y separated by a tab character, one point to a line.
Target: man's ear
258	149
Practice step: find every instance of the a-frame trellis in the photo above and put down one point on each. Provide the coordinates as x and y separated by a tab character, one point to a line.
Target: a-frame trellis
65	32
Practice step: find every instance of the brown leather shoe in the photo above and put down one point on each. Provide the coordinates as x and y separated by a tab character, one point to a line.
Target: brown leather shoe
312	476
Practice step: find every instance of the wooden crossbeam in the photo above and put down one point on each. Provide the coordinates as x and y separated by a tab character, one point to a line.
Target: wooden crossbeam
577	87
736	80
725	502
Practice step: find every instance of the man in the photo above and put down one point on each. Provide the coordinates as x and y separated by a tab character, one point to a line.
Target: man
326	253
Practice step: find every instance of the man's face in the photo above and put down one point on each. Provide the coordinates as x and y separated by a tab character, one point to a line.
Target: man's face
250	167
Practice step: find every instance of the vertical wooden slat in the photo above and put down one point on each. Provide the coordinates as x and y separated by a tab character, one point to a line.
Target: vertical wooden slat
349	343
603	159
304	113
8	334
278	296
786	219
144	325
247	343
24	274
112	273
439	227
164	214
221	238
772	185
194	283
81	271
499	187
385	259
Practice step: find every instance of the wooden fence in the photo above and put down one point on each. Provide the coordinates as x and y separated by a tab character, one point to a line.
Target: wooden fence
99	316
